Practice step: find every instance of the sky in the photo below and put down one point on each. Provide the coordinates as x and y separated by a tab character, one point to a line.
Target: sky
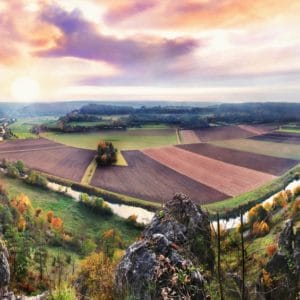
192	50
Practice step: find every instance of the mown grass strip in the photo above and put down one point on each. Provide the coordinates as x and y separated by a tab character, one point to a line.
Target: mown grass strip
89	172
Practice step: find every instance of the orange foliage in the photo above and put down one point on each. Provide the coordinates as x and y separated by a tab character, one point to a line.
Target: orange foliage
22	203
266	278
271	249
132	218
257	213
295	209
50	215
260	228
57	223
21	224
97	274
280	199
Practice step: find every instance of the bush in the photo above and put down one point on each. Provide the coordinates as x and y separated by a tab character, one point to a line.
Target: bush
97	204
271	249
12	171
63	293
88	247
20	166
295	208
36	179
280	200
260	228
257	214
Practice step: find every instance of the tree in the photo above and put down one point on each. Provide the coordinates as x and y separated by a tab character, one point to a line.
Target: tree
96	276
20	166
107	154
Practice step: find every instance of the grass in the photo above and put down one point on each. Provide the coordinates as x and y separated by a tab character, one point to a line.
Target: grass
89	172
122	140
292	129
22	127
260	193
291	151
77	218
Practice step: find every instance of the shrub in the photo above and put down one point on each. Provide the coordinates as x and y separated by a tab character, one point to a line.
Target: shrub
260	228
36	179
12	171
88	247
280	200
63	293
295	208
97	204
256	214
271	249
20	166
22	203
97	277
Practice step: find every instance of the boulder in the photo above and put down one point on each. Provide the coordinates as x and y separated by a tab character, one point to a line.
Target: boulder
164	263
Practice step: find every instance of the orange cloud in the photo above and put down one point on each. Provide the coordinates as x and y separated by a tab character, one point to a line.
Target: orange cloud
199	14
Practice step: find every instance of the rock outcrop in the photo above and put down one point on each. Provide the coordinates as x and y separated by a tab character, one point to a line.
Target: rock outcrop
4	269
283	269
163	264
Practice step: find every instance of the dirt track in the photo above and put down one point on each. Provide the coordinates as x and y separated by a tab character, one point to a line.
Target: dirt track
263	163
147	179
230	179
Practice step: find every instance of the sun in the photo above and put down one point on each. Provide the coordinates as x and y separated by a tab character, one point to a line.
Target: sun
25	89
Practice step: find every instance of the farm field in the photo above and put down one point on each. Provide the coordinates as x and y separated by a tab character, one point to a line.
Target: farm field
291	151
123	140
227	178
77	218
189	137
280	137
263	163
222	133
292	127
147	179
49	157
21	128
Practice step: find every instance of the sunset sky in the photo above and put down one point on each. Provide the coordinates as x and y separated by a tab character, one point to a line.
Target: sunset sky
206	50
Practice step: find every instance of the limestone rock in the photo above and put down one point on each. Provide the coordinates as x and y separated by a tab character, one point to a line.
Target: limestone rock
163	263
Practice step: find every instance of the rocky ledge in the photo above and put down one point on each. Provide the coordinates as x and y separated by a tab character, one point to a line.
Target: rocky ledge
164	263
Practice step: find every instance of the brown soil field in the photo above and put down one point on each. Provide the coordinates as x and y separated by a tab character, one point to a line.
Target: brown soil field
49	157
189	137
27	144
263	163
147	179
227	178
222	133
279	137
259	129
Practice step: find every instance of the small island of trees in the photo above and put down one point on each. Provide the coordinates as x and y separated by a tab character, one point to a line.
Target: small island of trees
107	154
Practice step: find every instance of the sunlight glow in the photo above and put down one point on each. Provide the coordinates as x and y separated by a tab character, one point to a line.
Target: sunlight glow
25	89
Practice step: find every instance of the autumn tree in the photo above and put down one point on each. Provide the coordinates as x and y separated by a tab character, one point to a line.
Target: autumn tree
107	153
96	276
